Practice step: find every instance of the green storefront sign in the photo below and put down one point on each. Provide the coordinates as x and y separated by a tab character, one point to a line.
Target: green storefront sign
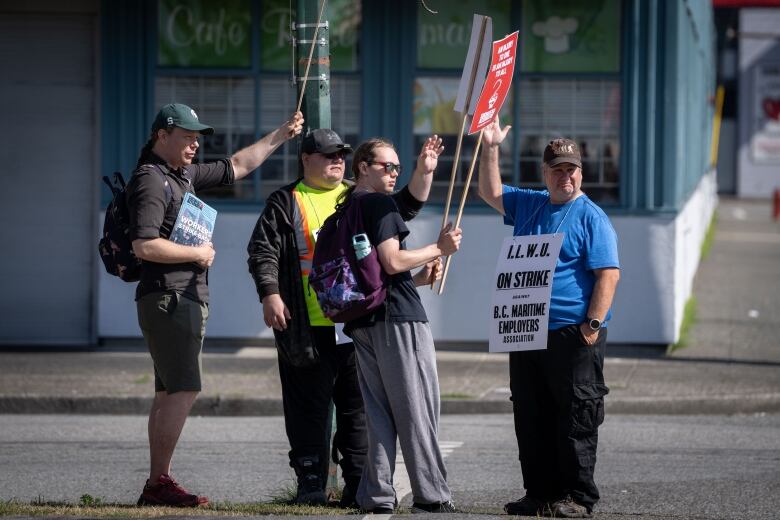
570	36
443	38
204	34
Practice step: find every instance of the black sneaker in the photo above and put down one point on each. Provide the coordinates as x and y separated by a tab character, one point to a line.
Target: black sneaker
310	491
379	510
527	506
568	508
349	493
438	507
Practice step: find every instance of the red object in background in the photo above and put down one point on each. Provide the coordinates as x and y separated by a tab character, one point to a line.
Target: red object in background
772	108
776	206
746	3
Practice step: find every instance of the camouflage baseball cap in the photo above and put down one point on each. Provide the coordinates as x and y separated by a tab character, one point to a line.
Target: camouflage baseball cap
560	151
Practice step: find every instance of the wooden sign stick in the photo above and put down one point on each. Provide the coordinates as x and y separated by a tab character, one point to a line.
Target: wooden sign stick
469	95
461	207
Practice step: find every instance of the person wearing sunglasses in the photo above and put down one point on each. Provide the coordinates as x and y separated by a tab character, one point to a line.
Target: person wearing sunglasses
394	344
316	364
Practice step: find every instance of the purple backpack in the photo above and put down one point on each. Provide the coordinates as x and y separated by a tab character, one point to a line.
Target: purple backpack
346	273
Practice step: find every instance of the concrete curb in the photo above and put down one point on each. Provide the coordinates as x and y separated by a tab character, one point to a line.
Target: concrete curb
216	406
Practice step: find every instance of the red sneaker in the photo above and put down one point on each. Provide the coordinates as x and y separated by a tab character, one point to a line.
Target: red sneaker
167	492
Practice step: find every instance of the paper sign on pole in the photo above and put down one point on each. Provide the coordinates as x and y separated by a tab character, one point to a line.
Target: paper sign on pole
523	285
476	66
496	88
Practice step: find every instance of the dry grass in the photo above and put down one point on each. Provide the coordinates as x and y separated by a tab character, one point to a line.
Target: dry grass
102	510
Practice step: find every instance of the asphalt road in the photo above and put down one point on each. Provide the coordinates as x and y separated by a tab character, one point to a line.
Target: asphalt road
713	467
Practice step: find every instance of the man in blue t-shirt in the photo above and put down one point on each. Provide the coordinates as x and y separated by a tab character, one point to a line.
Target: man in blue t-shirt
558	393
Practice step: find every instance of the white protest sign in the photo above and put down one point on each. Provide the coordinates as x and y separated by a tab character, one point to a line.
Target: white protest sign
521	299
473	76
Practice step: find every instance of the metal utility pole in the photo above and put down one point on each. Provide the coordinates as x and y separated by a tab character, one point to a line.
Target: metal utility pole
312	79
316	96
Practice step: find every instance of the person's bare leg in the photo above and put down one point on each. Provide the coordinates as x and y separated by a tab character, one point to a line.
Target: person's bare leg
166	421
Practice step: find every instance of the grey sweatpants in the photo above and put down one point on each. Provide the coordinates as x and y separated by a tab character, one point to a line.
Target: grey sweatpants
397	373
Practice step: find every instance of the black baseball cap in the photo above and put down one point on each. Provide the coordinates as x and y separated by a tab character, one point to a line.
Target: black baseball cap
560	151
324	140
176	114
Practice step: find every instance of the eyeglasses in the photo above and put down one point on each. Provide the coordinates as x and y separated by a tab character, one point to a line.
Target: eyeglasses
334	155
388	166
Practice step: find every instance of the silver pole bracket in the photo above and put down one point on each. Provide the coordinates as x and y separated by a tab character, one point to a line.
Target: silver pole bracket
295	26
322	42
321	77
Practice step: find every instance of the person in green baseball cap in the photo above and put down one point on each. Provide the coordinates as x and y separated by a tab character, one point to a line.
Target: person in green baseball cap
176	114
172	294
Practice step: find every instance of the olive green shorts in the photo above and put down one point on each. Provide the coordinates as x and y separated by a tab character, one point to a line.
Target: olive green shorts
173	327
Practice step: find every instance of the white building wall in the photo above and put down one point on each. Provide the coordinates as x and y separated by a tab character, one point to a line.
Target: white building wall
659	256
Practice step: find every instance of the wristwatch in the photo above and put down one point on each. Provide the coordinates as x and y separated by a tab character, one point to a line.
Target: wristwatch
594	324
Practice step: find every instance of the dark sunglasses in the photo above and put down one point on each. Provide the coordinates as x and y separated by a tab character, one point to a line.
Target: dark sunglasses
335	155
388	166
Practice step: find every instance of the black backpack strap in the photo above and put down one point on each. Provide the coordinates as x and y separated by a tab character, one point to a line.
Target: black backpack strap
112	186
119	180
166	186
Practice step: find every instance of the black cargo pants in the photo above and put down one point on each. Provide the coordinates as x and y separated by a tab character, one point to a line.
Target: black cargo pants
558	403
306	395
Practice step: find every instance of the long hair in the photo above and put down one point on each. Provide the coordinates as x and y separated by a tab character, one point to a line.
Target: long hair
364	153
146	151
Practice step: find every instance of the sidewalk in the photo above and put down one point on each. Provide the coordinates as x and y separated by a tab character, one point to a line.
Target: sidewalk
730	366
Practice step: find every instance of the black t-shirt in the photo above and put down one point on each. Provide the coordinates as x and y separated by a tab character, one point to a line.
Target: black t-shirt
152	216
382	221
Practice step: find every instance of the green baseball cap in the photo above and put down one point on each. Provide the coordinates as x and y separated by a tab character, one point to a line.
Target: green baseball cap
176	114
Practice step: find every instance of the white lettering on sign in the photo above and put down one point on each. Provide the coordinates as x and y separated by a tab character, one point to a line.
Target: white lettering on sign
508	45
217	33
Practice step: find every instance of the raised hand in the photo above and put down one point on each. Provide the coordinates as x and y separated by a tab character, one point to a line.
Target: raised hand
294	125
493	134
429	154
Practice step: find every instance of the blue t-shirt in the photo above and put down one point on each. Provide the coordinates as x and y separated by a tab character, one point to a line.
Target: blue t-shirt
589	243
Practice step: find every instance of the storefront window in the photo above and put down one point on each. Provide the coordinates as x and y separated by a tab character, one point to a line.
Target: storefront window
570	36
434	98
197	38
275	98
443	38
225	103
586	111
567	85
204	34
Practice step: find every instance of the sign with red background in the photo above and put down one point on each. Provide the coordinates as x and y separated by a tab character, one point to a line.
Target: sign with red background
497	83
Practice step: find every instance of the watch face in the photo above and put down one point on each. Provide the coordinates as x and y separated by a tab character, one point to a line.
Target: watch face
595	324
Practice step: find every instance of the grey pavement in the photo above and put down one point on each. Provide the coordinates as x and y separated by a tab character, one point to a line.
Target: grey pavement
730	365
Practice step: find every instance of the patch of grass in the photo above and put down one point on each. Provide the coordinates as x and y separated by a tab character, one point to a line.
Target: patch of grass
709	236
689	318
286	494
456	395
90	501
40	508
